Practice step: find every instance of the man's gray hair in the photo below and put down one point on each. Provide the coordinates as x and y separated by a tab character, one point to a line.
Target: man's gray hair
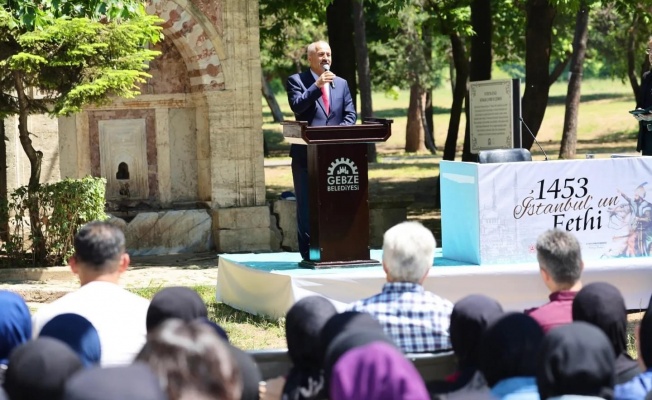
408	251
312	46
559	253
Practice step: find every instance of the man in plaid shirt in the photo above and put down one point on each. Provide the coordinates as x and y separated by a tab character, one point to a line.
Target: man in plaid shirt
415	319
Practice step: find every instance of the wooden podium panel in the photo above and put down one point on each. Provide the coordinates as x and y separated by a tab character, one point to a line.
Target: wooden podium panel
338	189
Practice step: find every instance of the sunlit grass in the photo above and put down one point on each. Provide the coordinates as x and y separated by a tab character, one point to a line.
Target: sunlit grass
245	330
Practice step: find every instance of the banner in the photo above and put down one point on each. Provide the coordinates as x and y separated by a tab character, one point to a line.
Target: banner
605	203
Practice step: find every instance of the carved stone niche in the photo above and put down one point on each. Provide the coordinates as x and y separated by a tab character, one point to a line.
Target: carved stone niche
123	158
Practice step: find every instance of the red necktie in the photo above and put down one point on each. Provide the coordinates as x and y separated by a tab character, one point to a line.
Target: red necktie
324	97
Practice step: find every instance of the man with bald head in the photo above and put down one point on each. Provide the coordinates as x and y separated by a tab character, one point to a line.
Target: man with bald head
320	98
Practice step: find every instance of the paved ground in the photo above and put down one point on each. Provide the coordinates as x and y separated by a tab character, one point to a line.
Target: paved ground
42	285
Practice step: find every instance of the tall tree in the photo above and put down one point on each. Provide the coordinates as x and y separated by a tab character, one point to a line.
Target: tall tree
481	61
538	38
364	72
569	135
339	19
71	61
461	63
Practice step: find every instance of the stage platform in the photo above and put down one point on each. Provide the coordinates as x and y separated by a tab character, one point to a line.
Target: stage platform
270	283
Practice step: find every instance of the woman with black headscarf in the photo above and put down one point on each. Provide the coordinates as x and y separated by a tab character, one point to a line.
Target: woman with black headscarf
362	363
469	320
39	369
601	304
641	384
303	325
576	359
508	357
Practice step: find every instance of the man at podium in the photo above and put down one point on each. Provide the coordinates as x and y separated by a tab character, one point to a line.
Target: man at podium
320	98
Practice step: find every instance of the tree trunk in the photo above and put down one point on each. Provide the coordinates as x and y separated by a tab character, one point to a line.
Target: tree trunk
4	196
481	61
540	15
414	132
429	129
339	19
35	158
461	76
569	135
269	96
364	72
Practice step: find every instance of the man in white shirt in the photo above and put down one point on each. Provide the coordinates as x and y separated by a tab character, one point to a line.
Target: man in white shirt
118	315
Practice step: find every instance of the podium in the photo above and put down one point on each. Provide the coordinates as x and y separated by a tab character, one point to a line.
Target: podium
338	196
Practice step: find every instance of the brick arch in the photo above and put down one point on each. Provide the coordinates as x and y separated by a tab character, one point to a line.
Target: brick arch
197	40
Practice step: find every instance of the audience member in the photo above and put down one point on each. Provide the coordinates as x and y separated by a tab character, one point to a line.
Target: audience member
78	333
470	318
576	359
350	326
362	363
641	384
250	374
303	325
349	321
508	357
175	302
117	314
560	264
601	304
375	371
132	382
39	369
15	326
415	319
192	362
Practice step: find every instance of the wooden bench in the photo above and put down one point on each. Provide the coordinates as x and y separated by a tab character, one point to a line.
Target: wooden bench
431	366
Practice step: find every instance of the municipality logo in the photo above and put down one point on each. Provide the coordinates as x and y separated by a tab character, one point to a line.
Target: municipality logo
342	176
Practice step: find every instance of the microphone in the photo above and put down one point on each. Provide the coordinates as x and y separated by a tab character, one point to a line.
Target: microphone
328	68
535	139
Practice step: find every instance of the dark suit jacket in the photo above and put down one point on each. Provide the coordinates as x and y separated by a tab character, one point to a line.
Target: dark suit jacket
306	103
644	101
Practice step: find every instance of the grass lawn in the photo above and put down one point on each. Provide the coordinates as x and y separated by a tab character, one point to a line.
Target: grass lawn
245	331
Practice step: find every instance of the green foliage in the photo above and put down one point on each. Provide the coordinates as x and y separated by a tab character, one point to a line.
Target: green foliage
78	61
286	28
63	208
32	14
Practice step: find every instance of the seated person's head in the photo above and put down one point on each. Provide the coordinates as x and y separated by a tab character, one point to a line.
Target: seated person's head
39	369
470	318
175	302
78	333
576	359
99	252
303	325
601	304
131	382
15	324
408	252
373	370
192	360
510	348
560	259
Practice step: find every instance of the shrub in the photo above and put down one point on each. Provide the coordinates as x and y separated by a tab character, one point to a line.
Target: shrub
63	208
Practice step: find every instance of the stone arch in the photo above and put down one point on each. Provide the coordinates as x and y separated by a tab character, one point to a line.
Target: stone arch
197	41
